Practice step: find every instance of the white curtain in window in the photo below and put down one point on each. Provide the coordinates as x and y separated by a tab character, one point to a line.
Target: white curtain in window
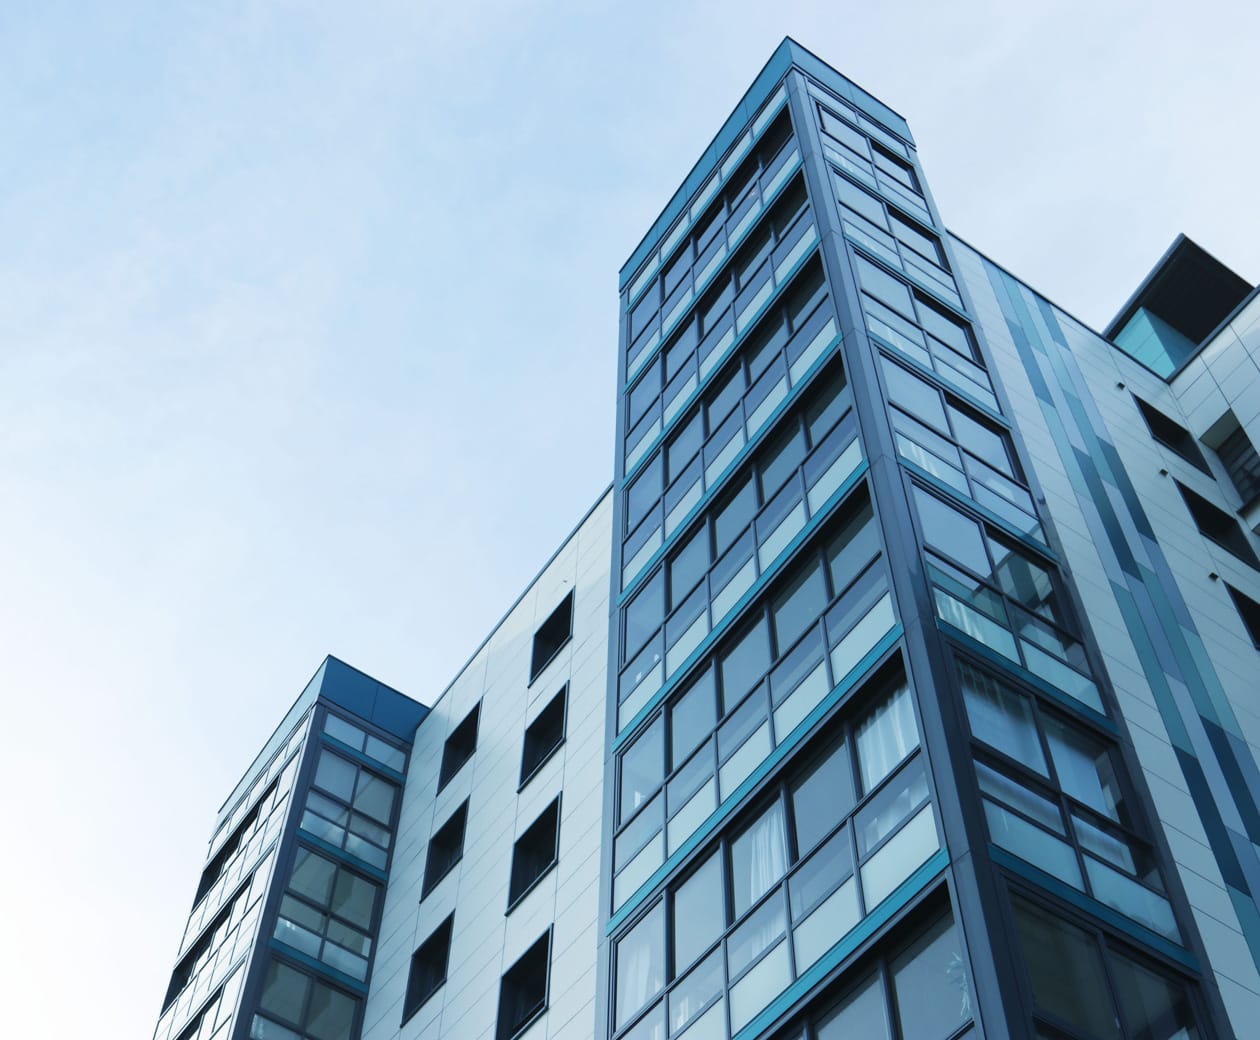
886	736
768	853
640	965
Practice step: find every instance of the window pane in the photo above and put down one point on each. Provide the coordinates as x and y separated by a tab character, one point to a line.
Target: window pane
1084	768
821	799
780	458
885	736
956	536
640	964
312	876
758	858
915	396
375	797
645	613
930	984
354	899
798	605
699	915
734	517
744	664
1001	718
860	1015
1066	971
335	775
642	768
331	1014
688	566
853	545
1153	1007
692	718
284	992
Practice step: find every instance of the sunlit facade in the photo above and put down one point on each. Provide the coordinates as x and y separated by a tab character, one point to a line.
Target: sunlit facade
901	685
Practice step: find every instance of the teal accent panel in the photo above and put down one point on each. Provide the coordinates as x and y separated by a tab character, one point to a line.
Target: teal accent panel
724	811
869	925
1152	342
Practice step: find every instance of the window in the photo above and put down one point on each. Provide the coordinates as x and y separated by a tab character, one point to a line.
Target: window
428	968
1080	982
446	848
523	991
991	590
543	736
1172	435
1249	611
552	634
340	729
327	912
534	853
1052	796
1218	526
459	747
293	999
352	808
1238	455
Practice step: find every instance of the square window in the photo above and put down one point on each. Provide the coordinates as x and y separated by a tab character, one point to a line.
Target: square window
523	990
543	736
428	968
446	848
459	747
535	853
552	634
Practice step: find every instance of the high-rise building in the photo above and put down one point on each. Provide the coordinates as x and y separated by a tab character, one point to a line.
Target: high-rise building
902	685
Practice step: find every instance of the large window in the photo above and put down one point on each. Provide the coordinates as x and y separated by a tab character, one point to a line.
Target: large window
1172	435
1084	985
897	240
1053	796
326	913
1003	596
809	635
786	882
306	1008
958	446
743	533
351	807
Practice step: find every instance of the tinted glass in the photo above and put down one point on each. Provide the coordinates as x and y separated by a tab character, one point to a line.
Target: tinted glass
699	917
930	985
798	605
821	799
758	858
692	718
642	768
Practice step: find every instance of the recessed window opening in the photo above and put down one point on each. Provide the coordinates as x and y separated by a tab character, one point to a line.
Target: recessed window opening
446	848
459	747
552	634
543	736
428	968
535	853
523	990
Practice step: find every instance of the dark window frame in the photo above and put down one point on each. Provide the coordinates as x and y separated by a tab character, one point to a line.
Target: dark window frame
459	747
424	956
542	751
436	870
528	1015
1248	613
551	644
1218	527
531	839
1172	435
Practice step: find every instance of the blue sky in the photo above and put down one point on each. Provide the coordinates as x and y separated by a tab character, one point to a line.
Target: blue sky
308	333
